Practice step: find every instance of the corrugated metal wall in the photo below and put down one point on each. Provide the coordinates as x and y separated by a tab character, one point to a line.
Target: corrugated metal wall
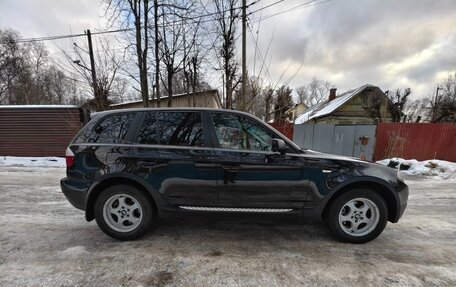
37	131
416	141
337	139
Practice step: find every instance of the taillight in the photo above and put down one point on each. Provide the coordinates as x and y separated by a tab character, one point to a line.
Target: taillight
69	157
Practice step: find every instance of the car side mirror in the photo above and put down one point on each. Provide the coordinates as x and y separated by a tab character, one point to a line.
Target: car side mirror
278	145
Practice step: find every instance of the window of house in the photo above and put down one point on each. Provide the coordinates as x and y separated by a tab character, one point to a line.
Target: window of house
365	97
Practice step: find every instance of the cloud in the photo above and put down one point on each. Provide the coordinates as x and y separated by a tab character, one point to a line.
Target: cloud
393	44
355	42
50	17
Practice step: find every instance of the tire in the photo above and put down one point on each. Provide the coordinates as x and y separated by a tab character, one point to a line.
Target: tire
357	216
123	212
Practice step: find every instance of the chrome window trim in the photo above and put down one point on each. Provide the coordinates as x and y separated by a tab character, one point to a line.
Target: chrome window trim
181	147
146	146
254	151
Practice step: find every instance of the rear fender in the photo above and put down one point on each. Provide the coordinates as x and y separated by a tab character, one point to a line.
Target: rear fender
120	178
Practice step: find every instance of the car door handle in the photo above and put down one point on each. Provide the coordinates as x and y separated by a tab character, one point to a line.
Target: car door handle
147	164
152	165
228	168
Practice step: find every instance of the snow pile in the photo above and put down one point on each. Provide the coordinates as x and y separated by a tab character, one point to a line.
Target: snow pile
432	168
32	161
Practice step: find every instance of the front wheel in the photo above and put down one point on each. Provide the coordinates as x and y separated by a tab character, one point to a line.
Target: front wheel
123	212
357	216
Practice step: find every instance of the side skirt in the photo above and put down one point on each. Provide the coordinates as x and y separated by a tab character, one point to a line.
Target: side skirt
236	209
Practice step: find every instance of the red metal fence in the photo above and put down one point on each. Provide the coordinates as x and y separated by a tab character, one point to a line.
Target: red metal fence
416	141
285	128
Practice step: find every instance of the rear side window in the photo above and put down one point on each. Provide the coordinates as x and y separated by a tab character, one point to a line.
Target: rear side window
172	128
148	133
110	129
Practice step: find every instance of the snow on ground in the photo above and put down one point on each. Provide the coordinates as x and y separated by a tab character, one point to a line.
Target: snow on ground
32	161
44	241
434	168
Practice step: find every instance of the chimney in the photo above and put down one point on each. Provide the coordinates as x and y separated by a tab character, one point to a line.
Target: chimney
332	94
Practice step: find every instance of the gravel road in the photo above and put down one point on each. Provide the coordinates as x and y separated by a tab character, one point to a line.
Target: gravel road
44	241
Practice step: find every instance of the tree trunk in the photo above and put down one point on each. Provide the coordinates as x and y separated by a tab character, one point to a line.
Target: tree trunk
194	77
157	58
170	88
142	55
229	92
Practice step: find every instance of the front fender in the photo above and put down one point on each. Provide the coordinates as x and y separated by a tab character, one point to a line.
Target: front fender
383	187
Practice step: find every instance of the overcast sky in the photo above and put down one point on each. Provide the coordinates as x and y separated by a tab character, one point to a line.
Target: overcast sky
389	43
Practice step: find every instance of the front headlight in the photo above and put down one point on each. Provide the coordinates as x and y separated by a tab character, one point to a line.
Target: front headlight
400	176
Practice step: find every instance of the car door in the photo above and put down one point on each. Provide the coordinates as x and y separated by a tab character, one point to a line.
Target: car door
249	174
173	153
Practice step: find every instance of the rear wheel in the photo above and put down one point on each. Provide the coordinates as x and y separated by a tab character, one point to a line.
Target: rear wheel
357	216
123	212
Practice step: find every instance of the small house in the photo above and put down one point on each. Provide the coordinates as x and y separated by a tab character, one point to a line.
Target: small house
367	104
208	99
295	111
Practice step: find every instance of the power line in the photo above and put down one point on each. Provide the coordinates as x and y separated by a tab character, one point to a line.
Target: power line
263	59
300	6
51	38
265	7
59	37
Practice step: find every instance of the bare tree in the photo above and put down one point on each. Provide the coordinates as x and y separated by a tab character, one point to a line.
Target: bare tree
282	103
226	18
414	111
397	103
107	67
27	76
137	12
313	93
448	108
12	64
442	105
268	94
171	46
253	101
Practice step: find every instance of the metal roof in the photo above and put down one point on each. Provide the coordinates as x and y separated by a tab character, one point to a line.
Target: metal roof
328	107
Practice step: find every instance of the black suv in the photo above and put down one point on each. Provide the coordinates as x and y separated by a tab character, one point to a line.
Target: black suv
127	167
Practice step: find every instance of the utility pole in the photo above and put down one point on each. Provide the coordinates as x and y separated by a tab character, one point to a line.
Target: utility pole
244	53
92	69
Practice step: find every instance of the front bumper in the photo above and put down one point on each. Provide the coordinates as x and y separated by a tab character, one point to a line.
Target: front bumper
75	191
402	201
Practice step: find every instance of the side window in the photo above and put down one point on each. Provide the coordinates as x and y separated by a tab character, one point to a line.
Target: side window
228	130
172	128
180	128
148	133
111	129
238	132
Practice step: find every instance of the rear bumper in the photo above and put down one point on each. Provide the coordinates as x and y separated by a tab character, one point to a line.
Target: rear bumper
75	191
